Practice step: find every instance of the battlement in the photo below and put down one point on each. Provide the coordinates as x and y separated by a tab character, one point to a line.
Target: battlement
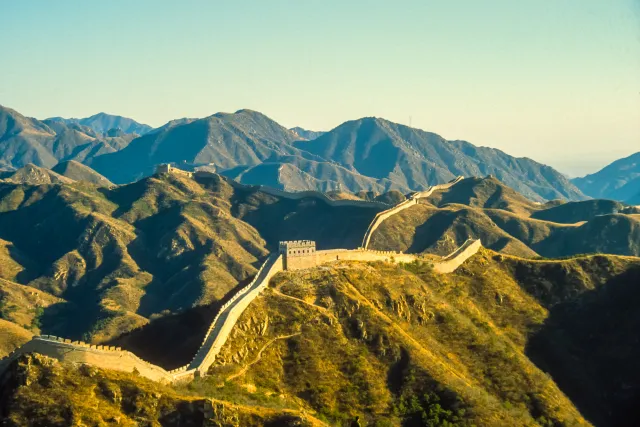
167	168
297	247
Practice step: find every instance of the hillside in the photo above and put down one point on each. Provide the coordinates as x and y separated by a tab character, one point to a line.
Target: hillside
79	172
34	175
507	222
115	256
414	159
103	122
403	345
618	181
502	341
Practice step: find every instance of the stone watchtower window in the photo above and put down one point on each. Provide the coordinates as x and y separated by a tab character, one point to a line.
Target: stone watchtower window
297	248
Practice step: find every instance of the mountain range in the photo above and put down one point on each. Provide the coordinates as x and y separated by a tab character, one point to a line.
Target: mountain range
103	123
369	154
45	143
618	181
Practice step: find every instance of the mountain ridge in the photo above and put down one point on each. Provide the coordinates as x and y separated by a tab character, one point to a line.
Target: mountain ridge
619	180
103	122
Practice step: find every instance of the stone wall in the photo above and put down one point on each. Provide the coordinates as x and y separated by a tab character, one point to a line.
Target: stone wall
225	320
450	263
402	206
115	358
105	357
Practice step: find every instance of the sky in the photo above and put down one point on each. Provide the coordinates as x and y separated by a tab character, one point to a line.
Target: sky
554	80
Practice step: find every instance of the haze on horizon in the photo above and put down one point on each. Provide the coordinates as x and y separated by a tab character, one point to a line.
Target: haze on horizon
554	81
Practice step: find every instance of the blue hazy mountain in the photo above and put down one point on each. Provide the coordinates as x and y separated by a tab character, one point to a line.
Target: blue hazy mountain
414	159
619	180
307	134
369	154
103	123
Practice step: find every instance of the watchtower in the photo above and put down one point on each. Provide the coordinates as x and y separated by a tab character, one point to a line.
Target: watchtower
298	254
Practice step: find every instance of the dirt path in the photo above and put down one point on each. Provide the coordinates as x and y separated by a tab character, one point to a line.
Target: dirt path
259	356
324	310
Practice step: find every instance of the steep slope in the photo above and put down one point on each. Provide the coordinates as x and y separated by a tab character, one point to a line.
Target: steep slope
12	336
618	181
22	139
281	218
103	122
79	172
414	159
226	140
422	228
34	175
43	143
76	142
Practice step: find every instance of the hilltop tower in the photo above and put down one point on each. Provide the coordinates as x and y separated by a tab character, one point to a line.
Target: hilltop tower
298	254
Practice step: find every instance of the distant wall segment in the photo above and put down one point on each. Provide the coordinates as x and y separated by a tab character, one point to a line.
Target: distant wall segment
413	199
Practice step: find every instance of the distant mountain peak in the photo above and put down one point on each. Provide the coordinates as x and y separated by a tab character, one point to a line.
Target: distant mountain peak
102	122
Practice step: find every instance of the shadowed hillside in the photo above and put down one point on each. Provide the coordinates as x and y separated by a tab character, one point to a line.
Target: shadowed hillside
118	256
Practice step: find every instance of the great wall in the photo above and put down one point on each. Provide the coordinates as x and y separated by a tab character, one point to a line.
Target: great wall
291	256
412	200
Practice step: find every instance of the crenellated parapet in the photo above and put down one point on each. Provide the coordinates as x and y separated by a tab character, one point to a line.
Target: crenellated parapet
168	168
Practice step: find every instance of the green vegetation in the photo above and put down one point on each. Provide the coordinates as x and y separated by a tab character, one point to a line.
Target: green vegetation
41	392
505	340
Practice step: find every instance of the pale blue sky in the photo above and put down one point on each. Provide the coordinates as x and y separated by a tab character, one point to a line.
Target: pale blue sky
554	80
